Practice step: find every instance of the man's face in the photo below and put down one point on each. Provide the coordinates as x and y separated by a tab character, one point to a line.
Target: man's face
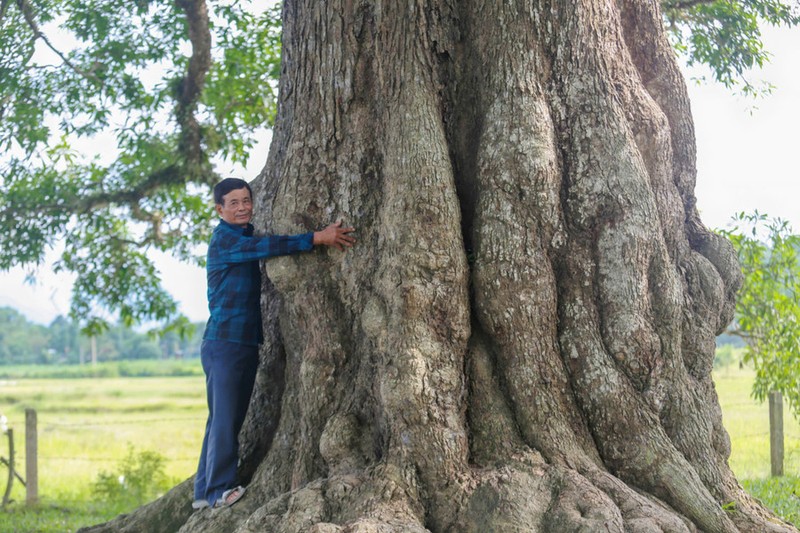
236	208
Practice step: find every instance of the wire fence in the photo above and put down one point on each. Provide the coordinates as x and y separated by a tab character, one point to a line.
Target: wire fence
55	426
127	422
88	443
75	455
184	458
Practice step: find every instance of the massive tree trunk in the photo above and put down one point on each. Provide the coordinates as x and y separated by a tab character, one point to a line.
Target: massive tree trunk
522	338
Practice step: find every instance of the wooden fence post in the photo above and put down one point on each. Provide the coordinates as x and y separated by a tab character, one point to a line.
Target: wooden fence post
31	458
776	432
7	495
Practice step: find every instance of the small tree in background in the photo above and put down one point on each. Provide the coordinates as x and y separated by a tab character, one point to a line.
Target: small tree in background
139	478
768	307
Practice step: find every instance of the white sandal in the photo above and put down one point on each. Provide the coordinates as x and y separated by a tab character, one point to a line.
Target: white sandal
230	496
200	504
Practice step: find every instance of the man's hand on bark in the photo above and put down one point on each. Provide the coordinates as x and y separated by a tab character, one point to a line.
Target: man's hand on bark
335	235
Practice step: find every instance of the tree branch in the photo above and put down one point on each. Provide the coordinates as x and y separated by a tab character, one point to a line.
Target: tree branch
16	474
167	176
739	333
27	13
685	4
190	163
3	103
195	167
191	86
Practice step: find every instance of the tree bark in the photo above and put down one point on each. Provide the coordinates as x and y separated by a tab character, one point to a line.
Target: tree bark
522	338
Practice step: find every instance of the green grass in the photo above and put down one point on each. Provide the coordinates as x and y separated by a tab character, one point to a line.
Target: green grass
747	422
779	494
106	369
87	426
52	518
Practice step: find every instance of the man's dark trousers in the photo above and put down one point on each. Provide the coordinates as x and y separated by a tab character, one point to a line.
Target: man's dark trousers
230	370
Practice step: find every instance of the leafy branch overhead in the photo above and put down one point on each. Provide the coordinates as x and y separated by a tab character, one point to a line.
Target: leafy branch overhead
138	86
725	35
116	116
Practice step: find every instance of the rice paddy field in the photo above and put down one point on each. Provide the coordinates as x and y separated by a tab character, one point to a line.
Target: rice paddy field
88	426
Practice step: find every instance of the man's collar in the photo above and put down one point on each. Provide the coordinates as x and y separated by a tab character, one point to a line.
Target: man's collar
246	231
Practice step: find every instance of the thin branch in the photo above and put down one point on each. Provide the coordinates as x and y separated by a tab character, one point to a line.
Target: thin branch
16	474
27	13
167	176
739	333
154	219
3	8
130	242
3	104
686	4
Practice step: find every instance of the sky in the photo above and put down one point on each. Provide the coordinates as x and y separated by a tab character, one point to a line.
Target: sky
747	159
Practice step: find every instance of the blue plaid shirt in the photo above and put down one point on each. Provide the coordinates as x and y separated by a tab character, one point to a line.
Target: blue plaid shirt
234	279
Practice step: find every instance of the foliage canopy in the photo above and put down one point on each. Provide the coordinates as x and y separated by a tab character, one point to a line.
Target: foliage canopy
726	35
115	118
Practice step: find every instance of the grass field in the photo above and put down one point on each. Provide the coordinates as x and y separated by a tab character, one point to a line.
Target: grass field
88	425
747	422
